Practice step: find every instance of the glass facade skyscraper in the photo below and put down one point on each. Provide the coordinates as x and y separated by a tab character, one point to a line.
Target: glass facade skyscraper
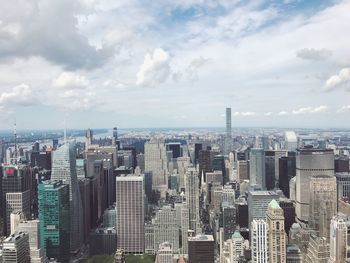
54	216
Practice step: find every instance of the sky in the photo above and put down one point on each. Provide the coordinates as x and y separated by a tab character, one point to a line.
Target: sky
174	63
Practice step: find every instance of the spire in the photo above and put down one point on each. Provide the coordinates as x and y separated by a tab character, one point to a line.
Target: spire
273	204
15	140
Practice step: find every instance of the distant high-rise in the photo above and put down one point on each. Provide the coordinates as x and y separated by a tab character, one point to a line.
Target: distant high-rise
89	137
64	168
310	162
192	199
156	162
228	137
54	214
257	167
338	240
115	137
291	141
323	203
130	214
343	185
201	249
259	243
287	171
277	236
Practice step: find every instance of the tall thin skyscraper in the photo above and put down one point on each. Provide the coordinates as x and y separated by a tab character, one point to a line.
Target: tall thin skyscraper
192	199
257	167
89	137
228	138
310	162
130	214
64	168
259	242
323	203
277	236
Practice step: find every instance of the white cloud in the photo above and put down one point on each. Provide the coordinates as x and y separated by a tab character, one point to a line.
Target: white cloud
339	80
70	81
268	113
282	113
309	109
314	54
155	68
343	109
244	113
21	95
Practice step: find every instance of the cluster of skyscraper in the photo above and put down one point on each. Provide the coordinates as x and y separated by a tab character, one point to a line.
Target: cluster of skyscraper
192	197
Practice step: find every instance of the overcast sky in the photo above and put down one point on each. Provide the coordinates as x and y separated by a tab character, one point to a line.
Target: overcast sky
174	63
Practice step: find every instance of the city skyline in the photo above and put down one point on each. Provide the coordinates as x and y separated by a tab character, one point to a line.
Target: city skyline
175	63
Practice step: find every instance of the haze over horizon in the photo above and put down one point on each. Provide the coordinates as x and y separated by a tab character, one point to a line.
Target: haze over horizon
128	63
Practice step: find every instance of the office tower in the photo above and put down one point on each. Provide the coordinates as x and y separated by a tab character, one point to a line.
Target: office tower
149	239
341	165
201	249
215	177
289	213
228	137
54	218
17	202
85	190
41	159
228	219
16	248
318	250
259	241
290	140
182	164
156	162
242	170
277	236
228	195
204	162
293	254
258	202
257	167
218	164
115	137
166	228
15	219
287	171
338	240
192	199
165	253
270	179
323	203
130	215
54	144
37	254
184	220
89	137
140	159
242	214
80	166
175	148
110	217
235	247
103	241
343	185
197	148
64	168
310	162
15	179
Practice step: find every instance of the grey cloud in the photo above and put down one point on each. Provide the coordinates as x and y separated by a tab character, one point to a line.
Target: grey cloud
47	29
314	54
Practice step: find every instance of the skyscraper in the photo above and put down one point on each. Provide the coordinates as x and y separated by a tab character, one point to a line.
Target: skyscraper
310	162
64	168
277	236
89	137
257	167
259	241
323	203
16	248
192	199
343	185
130	214
236	247
54	214
166	228
228	138
201	249
338	240
291	141
156	162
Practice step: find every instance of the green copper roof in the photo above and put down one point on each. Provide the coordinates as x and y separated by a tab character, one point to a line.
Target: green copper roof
273	204
236	234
